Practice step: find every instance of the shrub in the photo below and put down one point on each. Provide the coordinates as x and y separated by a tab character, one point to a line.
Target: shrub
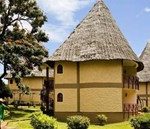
42	121
141	121
145	109
78	122
102	119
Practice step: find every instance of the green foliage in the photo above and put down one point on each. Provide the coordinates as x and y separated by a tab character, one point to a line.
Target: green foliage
102	119
21	49
42	121
4	90
78	122
145	109
141	121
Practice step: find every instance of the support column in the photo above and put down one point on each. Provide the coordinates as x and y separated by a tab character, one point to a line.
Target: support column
78	87
47	90
146	94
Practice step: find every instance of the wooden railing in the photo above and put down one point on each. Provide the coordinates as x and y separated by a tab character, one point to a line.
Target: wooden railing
131	82
129	110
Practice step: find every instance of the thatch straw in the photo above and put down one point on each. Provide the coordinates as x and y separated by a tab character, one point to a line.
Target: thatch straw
97	37
144	75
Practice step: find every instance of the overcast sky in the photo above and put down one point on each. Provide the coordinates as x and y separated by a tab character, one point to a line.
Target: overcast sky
132	17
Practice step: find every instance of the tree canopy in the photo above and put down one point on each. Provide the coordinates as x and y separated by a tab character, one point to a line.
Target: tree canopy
21	49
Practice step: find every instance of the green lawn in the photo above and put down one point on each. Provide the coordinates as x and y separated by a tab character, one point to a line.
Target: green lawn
123	125
20	119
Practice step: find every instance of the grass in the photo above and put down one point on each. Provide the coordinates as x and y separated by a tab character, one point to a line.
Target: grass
123	125
20	119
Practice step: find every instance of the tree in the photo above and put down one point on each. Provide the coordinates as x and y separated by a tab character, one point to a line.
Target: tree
5	91
21	49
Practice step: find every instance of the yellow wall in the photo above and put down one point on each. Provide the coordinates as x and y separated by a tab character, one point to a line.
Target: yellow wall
33	83
142	88
69	73
69	103
101	99
142	91
101	71
129	96
33	97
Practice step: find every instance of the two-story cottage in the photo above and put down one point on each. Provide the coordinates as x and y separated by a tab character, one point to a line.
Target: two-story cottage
95	70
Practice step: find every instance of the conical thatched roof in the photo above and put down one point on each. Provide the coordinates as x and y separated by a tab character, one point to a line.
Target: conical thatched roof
97	37
144	75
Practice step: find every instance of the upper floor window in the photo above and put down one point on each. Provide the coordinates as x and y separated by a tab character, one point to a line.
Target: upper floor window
60	69
11	81
59	97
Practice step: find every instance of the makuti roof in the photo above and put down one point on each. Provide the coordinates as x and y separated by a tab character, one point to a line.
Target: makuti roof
34	73
97	37
144	75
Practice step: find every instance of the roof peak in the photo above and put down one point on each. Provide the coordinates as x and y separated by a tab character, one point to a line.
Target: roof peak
148	44
146	51
144	75
99	0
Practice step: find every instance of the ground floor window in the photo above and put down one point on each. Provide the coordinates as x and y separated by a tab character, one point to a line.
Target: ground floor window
59	97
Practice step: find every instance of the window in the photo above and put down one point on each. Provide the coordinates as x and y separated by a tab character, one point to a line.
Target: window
60	69
59	97
11	81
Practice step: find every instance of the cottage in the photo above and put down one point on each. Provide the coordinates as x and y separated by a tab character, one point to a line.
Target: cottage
35	81
144	78
95	70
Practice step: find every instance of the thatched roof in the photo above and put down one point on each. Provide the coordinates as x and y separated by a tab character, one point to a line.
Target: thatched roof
144	75
97	37
35	73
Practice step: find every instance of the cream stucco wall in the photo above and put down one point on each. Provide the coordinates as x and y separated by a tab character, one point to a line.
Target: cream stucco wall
69	103
32	82
69	74
129	96
101	99
142	93
35	84
101	71
142	88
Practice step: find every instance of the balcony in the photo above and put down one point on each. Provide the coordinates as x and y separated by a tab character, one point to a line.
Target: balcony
131	82
129	110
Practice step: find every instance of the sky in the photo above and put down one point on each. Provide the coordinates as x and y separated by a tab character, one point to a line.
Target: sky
132	17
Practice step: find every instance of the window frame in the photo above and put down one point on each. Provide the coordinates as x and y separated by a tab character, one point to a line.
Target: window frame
59	97
59	69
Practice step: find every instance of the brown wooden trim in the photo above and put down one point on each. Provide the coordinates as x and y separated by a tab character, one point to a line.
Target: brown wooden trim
89	85
101	85
62	86
146	94
78	86
54	85
122	82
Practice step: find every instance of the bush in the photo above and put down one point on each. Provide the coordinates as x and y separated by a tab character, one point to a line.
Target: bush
78	122
141	121
145	109
102	119
42	121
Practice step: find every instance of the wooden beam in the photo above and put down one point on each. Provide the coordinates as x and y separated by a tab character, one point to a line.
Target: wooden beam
78	87
147	94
